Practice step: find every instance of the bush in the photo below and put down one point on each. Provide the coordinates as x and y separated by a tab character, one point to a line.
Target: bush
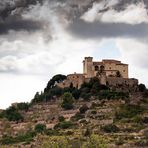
77	117
107	94
86	96
51	132
94	112
27	137
111	128
142	87
56	91
76	93
64	125
68	101
145	94
95	141
137	119
39	128
61	119
93	87
83	109
12	114
23	106
128	111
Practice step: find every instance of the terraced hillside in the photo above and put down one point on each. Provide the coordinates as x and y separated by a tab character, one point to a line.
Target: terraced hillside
98	118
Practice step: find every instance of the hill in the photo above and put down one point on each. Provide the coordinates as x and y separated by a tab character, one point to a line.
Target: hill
95	116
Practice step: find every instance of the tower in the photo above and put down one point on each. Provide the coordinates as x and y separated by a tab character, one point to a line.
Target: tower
88	67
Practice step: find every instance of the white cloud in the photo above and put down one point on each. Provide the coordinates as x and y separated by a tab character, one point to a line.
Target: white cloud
29	61
92	14
132	14
135	53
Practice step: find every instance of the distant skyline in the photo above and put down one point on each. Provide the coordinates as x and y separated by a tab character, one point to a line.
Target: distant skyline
42	38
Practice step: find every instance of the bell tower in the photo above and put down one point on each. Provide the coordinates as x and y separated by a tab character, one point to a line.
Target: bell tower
88	67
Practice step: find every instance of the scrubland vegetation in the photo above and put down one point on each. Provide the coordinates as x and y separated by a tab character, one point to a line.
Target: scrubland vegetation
100	117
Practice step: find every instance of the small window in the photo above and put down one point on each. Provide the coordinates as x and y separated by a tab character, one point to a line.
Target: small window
96	68
123	70
110	68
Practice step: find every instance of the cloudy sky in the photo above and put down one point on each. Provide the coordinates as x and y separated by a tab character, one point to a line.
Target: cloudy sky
41	38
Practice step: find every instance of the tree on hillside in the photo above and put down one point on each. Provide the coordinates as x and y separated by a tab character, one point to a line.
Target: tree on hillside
67	101
23	106
37	98
12	114
39	128
142	87
56	79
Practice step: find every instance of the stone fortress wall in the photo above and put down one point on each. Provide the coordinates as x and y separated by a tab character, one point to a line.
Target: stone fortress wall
106	71
76	79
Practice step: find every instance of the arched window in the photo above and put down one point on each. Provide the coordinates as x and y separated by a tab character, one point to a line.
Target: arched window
96	68
102	68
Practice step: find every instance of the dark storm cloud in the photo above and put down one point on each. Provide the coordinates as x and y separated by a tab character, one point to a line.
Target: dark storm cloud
11	19
17	24
82	29
11	16
8	6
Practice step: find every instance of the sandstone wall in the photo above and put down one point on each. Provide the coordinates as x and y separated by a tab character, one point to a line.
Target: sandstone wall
76	79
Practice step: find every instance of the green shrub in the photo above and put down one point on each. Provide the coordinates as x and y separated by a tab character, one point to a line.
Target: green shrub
86	96
110	128
137	119
67	101
61	119
91	88
107	94
56	91
83	109
76	93
64	125
27	137
77	117
142	87
51	132
23	106
39	128
145	94
11	114
95	141
128	111
94	112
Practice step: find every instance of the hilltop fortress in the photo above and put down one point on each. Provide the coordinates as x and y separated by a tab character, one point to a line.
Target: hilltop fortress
110	72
